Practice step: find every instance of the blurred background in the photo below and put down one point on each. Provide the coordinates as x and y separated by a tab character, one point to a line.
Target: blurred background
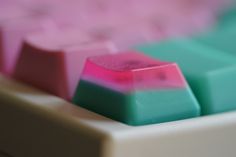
125	22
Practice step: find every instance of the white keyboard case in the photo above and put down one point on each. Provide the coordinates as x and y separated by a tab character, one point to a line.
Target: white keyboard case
36	124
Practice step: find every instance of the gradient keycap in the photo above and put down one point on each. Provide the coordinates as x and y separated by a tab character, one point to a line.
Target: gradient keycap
53	61
210	72
135	89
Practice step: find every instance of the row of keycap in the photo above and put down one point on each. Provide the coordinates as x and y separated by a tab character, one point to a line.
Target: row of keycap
139	22
126	85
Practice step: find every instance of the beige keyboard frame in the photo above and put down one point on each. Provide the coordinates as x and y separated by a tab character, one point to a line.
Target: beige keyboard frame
37	124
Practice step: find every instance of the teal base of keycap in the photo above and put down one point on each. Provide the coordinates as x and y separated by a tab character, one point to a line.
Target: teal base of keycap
210	73
138	108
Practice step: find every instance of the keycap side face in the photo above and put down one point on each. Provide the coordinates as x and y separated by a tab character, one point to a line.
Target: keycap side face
221	86
43	70
177	104
140	107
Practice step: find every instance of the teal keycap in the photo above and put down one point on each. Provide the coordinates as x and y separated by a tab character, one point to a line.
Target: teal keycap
221	38
222	35
227	16
210	72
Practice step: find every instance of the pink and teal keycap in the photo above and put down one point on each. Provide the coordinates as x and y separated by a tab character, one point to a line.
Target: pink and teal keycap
53	61
135	89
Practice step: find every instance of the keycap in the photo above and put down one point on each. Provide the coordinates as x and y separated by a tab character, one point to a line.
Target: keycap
220	38
210	72
31	117
53	61
135	89
12	33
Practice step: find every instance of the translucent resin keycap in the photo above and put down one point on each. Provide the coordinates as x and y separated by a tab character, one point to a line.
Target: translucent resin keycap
210	72
135	89
53	61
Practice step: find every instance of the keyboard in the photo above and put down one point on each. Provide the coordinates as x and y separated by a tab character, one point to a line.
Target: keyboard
103	87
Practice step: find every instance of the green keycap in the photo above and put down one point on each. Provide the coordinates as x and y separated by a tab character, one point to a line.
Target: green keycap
210	72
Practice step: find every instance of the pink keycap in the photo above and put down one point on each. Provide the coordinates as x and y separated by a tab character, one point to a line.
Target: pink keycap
131	71
53	61
12	33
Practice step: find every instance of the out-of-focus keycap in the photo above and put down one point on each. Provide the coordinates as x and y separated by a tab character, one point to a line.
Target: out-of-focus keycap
53	61
210	72
221	37
135	89
12	33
